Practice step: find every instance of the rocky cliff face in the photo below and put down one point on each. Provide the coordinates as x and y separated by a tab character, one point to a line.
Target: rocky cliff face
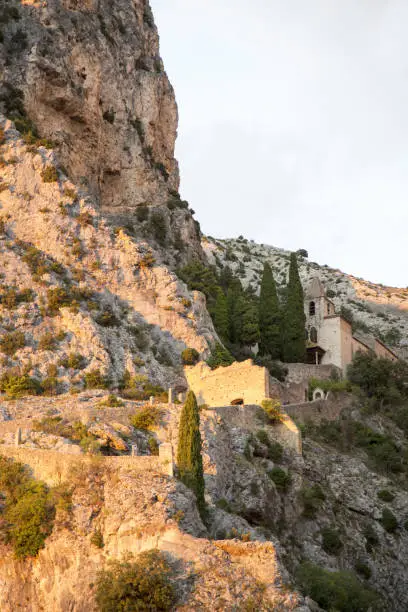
93	82
89	77
91	288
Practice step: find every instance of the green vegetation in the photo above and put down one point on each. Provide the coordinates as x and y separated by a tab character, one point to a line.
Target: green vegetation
74	361
326	385
133	586
97	538
220	315
272	408
331	542
96	380
270	317
158	227
147	418
190	356
28	511
385	495
10	297
17	385
281	478
381	380
49	174
111	402
382	452
220	357
363	569
389	521
11	342
312	499
189	459
294	344
340	591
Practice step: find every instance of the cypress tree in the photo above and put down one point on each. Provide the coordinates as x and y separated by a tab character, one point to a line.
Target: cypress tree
294	345
250	323
270	318
189	459
220	315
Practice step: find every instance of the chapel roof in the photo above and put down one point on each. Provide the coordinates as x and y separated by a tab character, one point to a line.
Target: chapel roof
315	288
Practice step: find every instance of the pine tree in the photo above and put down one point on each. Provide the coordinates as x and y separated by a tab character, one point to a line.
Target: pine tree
220	315
189	459
270	317
294	345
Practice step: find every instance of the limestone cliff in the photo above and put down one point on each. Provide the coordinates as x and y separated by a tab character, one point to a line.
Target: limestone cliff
91	288
90	78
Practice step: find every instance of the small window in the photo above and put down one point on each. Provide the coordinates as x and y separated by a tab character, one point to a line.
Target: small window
312	309
306	335
313	334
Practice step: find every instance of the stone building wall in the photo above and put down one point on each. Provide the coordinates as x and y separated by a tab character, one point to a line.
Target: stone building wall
221	386
295	388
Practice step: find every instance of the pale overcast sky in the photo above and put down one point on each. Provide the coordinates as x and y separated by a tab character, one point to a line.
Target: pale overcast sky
294	124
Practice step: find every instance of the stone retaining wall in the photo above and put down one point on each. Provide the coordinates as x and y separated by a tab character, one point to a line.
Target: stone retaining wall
320	410
54	467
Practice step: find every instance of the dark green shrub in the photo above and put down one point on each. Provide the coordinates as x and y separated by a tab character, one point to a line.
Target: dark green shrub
142	213
158	227
389	521
147	418
58	298
28	510
16	385
153	446
97	539
111	402
11	297
107	318
96	380
262	437
49	174
312	498
190	356
47	342
379	378
223	504
363	569
53	425
385	495
11	342
144	584
371	537
340	591
220	357
281	478
331	542
275	452
74	361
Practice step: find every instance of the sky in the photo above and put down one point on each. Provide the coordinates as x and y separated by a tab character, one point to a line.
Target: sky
293	124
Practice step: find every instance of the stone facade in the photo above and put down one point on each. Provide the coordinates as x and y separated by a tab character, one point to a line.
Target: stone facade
330	338
242	380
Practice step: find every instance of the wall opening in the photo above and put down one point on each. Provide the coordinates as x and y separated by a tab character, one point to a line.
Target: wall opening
313	335
312	309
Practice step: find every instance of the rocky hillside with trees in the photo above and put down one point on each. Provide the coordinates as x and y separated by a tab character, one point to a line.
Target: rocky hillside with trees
375	309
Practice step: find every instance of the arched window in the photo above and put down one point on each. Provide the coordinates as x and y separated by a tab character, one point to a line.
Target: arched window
313	334
312	309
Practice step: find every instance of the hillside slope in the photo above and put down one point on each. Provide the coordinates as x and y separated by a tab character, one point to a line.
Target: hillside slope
375	309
